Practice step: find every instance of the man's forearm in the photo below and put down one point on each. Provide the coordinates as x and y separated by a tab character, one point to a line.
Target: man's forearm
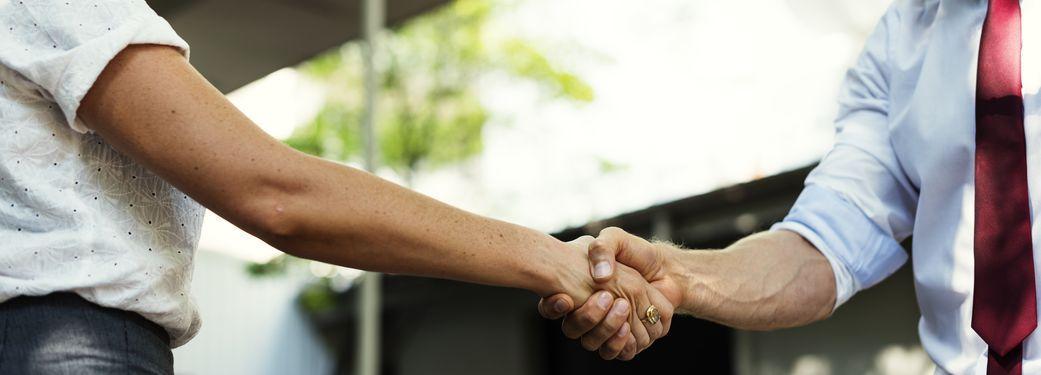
766	281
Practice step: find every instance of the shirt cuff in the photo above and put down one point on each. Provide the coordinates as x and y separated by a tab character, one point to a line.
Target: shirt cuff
861	254
87	61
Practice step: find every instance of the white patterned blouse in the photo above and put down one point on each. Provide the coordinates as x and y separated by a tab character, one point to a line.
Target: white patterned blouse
76	215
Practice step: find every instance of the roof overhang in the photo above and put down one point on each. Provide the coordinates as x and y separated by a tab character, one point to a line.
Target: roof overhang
235	42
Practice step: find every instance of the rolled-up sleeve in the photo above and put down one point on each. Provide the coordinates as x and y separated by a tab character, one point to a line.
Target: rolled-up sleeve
62	46
858	204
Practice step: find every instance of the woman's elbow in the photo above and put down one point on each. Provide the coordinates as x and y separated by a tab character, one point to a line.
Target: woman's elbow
270	213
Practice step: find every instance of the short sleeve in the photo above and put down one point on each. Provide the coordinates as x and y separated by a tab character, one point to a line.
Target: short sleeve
62	46
858	204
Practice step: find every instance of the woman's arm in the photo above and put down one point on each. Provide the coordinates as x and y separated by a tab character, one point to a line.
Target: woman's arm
153	106
150	104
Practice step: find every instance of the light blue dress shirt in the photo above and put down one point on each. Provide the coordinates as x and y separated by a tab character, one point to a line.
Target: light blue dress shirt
903	165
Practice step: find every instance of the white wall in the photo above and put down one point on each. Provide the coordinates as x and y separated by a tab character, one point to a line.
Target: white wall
250	326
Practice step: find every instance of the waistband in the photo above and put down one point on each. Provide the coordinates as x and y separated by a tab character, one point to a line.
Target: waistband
68	302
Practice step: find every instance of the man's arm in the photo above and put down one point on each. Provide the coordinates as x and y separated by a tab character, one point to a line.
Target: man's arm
857	206
765	281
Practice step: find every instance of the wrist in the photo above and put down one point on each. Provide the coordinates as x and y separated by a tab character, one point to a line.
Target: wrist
688	270
559	269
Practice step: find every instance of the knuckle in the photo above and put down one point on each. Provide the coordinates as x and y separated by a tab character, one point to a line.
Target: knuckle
598	337
571	334
657	332
627	355
616	344
609	326
611	231
598	247
584	320
588	343
609	352
642	342
569	329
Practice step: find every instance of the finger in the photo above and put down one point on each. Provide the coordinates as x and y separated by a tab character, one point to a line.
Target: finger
633	288
616	317
587	316
602	259
639	331
630	350
654	331
659	329
614	245
555	306
666	311
614	346
583	241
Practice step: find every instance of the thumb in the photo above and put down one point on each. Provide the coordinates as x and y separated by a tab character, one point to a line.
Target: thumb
556	306
614	245
601	254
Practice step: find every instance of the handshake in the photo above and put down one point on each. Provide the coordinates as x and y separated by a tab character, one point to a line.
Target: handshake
632	288
633	292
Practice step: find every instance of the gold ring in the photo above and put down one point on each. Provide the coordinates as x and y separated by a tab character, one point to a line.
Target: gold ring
651	316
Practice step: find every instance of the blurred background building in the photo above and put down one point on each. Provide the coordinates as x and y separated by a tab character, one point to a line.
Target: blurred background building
688	120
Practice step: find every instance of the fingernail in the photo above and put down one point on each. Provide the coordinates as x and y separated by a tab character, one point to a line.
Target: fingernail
601	270
604	300
560	306
620	308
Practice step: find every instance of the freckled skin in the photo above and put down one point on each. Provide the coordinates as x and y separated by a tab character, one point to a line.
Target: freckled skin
150	104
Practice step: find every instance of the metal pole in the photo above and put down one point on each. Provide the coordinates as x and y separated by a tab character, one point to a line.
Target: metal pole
368	349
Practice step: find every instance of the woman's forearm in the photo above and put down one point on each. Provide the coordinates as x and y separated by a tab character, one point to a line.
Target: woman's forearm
766	281
344	216
150	104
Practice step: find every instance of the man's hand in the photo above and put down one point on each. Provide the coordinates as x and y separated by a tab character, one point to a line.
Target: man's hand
596	320
613	327
655	262
765	281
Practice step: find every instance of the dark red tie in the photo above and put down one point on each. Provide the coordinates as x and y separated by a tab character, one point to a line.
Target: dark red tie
1004	307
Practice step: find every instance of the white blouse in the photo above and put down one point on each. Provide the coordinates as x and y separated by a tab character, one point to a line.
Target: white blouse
76	215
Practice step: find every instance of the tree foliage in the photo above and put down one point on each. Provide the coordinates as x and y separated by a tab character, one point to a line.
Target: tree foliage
430	112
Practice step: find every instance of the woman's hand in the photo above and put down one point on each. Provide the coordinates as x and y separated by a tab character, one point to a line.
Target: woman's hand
606	324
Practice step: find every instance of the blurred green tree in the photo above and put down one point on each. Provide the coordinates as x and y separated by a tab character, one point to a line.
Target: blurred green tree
430	113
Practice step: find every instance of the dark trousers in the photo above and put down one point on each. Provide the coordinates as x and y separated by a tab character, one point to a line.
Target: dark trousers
61	333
